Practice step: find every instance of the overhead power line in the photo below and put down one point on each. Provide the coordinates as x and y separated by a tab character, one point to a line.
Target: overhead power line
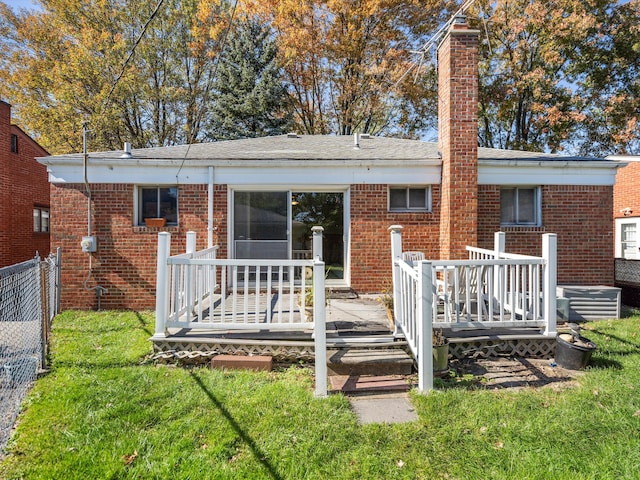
434	40
132	52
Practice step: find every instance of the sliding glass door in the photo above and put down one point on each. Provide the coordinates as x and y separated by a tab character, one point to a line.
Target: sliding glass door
327	210
269	225
261	225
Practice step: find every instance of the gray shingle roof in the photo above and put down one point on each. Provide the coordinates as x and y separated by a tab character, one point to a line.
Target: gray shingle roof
314	147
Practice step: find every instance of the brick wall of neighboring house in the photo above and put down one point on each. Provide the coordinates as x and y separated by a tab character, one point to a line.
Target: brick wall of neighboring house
371	241
458	140
24	184
125	260
626	192
575	214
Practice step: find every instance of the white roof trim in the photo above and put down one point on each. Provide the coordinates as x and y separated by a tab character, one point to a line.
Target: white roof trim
554	172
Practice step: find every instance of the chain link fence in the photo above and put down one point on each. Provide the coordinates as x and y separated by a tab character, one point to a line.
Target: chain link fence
29	299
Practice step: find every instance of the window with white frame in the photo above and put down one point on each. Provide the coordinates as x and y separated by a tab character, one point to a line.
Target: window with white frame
629	240
520	206
41	220
409	199
158	202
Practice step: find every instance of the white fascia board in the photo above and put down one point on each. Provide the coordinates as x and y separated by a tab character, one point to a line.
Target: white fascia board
144	175
496	172
247	172
329	175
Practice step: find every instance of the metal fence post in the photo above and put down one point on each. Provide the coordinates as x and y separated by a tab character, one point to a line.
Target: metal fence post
550	254
425	326
58	286
396	254
162	284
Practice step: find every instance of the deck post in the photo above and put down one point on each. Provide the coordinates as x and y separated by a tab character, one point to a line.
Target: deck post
549	253
319	326
396	254
317	242
499	247
162	284
425	327
190	281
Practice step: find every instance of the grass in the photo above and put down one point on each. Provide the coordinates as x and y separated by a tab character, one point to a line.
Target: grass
105	413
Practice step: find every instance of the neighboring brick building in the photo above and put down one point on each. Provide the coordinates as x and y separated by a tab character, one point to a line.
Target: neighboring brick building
24	194
626	208
258	198
626	214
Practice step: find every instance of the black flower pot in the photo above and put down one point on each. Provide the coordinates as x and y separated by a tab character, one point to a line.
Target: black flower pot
574	355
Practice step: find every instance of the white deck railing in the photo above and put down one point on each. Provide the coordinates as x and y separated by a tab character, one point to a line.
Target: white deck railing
197	291
493	289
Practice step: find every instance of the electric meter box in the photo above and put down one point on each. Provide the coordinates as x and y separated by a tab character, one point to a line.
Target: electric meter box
89	244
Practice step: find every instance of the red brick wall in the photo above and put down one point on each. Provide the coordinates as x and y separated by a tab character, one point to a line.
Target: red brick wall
626	192
125	260
371	240
458	140
24	185
579	215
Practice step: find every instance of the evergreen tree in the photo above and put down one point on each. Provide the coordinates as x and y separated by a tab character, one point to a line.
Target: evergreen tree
249	97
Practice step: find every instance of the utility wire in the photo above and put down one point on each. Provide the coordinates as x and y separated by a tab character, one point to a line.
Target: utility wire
132	52
433	41
214	73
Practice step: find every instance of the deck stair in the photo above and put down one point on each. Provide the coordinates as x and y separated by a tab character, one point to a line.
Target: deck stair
358	361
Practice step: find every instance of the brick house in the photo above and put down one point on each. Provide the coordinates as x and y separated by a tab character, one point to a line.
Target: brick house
24	194
258	198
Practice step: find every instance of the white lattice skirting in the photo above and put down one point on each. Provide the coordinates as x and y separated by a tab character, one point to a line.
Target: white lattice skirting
541	348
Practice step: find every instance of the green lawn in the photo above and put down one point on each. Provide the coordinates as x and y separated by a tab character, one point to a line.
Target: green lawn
103	412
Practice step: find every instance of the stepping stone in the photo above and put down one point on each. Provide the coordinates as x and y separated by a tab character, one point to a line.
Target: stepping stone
391	408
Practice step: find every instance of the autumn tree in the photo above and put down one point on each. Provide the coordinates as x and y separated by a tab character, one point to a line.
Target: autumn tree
342	61
607	66
249	98
64	65
553	75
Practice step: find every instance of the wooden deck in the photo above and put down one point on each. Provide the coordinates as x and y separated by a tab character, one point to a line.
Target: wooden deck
359	321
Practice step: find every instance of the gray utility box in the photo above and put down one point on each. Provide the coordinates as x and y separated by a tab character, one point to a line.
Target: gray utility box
590	302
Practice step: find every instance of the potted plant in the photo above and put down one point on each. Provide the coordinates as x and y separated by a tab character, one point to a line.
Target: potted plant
155	222
308	293
440	352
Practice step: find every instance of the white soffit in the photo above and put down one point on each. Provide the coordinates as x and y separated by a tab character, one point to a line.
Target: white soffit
500	172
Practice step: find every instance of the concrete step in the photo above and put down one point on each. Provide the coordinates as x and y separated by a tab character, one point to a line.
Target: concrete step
356	361
369	384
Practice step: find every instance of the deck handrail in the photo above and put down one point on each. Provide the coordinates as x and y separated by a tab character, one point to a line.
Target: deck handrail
496	290
196	290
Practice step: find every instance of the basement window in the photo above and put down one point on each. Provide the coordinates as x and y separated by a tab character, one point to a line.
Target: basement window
520	206
40	220
409	199
158	202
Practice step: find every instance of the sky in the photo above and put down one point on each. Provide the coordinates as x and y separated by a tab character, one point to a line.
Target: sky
20	3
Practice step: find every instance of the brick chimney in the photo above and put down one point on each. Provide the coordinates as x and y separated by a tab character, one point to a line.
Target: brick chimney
458	139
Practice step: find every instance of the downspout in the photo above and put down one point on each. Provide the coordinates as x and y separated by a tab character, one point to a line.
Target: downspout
86	181
210	209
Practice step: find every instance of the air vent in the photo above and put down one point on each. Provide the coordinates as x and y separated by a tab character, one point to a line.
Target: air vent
292	135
